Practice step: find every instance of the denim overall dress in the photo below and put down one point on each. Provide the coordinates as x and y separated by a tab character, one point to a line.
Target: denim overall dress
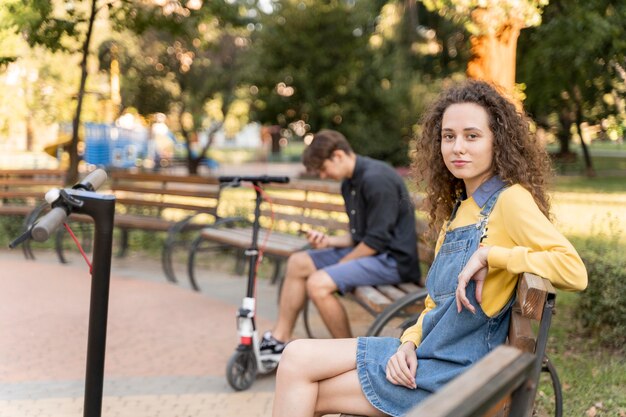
451	341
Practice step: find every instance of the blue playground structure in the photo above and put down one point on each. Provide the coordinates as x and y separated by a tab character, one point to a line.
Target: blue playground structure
113	146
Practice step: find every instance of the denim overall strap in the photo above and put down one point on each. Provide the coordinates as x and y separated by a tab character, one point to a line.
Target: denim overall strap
487	208
452	341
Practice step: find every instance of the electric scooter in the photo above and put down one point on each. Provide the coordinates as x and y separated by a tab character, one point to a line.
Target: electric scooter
83	199
246	362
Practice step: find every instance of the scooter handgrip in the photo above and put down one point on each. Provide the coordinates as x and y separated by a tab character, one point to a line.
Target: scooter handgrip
48	224
94	180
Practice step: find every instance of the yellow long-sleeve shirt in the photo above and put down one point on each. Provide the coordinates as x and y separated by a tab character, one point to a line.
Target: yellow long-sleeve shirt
522	239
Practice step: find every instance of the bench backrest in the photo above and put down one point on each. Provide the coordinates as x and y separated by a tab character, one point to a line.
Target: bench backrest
307	204
504	383
154	193
29	184
303	205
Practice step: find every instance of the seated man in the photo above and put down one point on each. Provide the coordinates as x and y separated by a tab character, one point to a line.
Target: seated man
380	248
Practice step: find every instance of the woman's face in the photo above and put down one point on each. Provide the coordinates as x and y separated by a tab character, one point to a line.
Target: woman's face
467	144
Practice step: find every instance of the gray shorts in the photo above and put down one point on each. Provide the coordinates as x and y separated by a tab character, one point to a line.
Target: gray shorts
370	270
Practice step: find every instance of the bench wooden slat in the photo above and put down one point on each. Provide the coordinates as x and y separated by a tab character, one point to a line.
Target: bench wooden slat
165	204
371	297
313	205
23	194
277	244
32	172
311	186
391	292
395	292
119	176
409	287
329	224
13	210
21	182
165	191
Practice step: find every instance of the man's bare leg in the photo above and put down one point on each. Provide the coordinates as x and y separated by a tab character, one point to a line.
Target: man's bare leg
321	289
293	294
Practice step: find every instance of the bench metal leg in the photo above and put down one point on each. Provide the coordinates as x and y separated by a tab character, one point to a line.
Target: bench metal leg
279	270
194	250
240	264
123	243
523	399
28	221
191	261
556	386
171	243
305	319
395	310
58	245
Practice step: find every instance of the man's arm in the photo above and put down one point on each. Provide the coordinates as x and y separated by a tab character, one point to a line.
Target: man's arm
320	240
360	251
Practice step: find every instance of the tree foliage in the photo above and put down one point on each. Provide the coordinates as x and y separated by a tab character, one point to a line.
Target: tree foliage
528	12
179	63
573	65
313	69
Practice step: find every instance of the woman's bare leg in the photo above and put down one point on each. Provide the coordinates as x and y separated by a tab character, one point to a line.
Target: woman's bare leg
307	362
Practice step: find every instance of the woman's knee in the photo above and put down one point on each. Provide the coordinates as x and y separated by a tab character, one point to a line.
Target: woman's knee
295	359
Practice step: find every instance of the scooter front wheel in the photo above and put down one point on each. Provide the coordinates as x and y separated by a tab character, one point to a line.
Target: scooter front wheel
241	369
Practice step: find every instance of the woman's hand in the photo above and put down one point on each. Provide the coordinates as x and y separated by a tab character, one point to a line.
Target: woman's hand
318	240
402	366
476	269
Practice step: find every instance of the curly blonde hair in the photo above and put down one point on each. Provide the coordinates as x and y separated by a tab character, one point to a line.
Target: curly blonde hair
518	157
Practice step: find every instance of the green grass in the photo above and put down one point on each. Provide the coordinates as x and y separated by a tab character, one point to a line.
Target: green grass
599	184
591	376
601	164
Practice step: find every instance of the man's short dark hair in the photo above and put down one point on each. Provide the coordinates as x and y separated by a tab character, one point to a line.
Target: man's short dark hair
324	143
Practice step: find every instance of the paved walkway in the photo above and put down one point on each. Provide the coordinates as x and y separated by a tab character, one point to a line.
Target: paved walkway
167	347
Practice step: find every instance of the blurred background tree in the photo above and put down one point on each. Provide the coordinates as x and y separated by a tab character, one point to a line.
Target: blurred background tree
366	68
573	69
495	26
178	62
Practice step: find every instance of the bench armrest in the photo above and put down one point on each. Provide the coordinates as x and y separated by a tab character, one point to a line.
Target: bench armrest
483	386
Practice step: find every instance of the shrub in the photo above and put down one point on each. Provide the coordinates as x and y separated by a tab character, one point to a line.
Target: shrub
602	306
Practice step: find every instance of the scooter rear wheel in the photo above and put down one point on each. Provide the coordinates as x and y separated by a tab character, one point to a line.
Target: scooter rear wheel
241	369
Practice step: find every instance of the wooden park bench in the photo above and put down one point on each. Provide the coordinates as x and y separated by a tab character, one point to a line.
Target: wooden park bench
155	202
505	382
23	190
295	208
299	206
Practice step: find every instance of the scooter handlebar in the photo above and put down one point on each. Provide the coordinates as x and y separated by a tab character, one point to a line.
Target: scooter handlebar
263	179
48	224
93	180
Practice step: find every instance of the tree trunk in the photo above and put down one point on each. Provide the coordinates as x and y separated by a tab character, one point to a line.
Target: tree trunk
589	170
563	134
493	53
29	131
72	173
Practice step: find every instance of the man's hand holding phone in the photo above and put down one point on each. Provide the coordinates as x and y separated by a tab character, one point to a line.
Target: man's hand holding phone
318	240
